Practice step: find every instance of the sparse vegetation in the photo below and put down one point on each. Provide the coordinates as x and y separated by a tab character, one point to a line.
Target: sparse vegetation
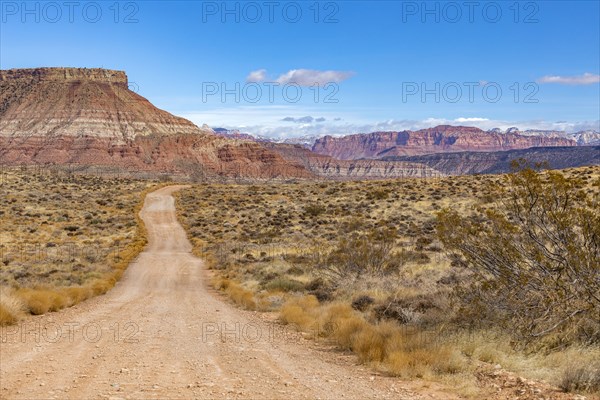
535	258
360	264
400	352
582	378
65	237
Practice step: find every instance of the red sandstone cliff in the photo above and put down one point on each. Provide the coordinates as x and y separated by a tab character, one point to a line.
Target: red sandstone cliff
79	102
440	139
89	117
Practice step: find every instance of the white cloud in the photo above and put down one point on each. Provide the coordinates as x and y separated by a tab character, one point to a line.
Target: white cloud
309	77
302	77
585	79
257	76
461	119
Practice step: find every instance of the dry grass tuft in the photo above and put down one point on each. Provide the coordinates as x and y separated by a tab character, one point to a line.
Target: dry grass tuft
101	286
7	315
411	353
241	296
238	294
40	301
11	307
346	329
369	344
399	351
582	378
299	311
78	294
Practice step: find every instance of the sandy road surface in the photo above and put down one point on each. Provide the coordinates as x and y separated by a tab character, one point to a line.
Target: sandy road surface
161	333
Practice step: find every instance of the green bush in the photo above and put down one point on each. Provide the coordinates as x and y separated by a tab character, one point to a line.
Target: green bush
285	285
534	256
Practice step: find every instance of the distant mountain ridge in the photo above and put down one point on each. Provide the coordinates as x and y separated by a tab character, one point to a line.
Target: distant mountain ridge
581	138
306	141
465	163
440	139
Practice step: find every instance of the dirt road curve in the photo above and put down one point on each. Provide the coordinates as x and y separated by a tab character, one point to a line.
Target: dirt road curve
161	333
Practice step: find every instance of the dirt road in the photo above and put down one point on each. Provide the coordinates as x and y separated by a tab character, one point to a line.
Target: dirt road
162	333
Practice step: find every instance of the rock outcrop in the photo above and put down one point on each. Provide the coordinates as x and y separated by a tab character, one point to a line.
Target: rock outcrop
331	168
203	157
441	139
464	163
80	102
89	117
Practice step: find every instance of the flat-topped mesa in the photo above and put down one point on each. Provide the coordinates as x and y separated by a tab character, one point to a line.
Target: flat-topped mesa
60	74
80	102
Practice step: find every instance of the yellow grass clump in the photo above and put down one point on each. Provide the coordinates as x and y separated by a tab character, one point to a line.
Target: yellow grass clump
238	294
299	311
11	307
395	349
39	301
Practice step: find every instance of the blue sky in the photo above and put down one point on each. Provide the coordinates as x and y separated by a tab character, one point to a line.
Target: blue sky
349	66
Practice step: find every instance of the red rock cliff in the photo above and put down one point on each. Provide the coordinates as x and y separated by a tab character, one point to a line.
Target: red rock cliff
80	102
440	139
